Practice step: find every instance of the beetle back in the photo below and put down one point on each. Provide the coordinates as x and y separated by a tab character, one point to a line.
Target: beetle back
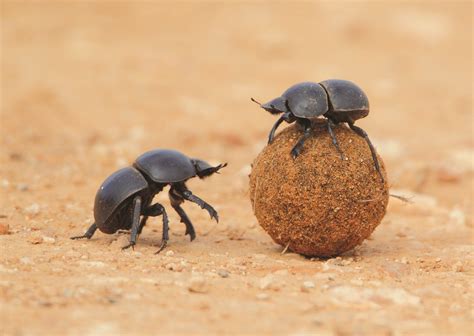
307	100
165	166
114	191
347	97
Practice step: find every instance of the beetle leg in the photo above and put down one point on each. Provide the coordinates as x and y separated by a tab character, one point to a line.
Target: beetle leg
156	210
152	211
285	117
306	123
274	128
137	206
142	224
176	201
89	233
188	195
359	131
333	137
165	238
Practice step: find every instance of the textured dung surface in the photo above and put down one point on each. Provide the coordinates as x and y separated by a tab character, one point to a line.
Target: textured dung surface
318	204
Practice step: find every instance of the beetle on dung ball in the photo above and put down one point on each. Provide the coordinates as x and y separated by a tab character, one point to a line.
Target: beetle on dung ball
340	101
127	194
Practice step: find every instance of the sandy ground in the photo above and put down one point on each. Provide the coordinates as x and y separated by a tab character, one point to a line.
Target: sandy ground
87	87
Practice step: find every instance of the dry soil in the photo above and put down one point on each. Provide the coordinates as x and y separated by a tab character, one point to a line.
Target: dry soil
88	86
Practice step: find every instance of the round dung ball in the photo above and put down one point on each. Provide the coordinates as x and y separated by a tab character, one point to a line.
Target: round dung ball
318	204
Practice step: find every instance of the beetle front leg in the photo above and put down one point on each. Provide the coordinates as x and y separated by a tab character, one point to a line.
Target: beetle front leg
89	233
137	205
359	131
285	117
188	195
306	123
176	201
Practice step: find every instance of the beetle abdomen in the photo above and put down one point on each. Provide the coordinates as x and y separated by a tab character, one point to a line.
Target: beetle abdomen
121	219
307	100
115	190
345	96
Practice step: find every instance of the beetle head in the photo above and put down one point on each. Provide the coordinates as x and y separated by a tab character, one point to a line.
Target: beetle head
274	106
204	169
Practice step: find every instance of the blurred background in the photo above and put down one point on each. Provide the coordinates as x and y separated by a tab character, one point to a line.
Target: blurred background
87	86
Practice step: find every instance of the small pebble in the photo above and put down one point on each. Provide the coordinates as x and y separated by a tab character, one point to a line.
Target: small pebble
458	267
35	240
174	267
223	273
4	229
93	264
25	261
262	296
438	260
198	284
32	209
345	262
307	286
22	187
49	240
245	170
169	253
268	282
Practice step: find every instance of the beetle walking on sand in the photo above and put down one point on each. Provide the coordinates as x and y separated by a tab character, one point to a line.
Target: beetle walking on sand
339	101
126	195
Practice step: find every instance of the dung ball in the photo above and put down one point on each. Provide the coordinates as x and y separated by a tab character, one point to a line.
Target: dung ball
318	204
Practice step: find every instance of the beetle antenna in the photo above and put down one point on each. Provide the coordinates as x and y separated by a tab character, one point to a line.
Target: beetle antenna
255	101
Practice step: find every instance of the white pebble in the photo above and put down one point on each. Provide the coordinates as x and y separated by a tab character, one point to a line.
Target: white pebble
262	296
198	284
32	209
307	286
169	253
25	261
49	240
223	273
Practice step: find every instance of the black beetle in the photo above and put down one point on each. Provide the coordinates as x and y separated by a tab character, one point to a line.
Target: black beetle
337	100
126	195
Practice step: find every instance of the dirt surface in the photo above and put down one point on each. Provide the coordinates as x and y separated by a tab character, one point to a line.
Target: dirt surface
87	87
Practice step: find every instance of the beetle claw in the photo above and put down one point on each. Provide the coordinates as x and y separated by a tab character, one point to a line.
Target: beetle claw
192	234
80	237
131	244
294	153
162	247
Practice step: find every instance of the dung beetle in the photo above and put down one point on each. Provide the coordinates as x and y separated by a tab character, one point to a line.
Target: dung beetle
340	101
127	194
